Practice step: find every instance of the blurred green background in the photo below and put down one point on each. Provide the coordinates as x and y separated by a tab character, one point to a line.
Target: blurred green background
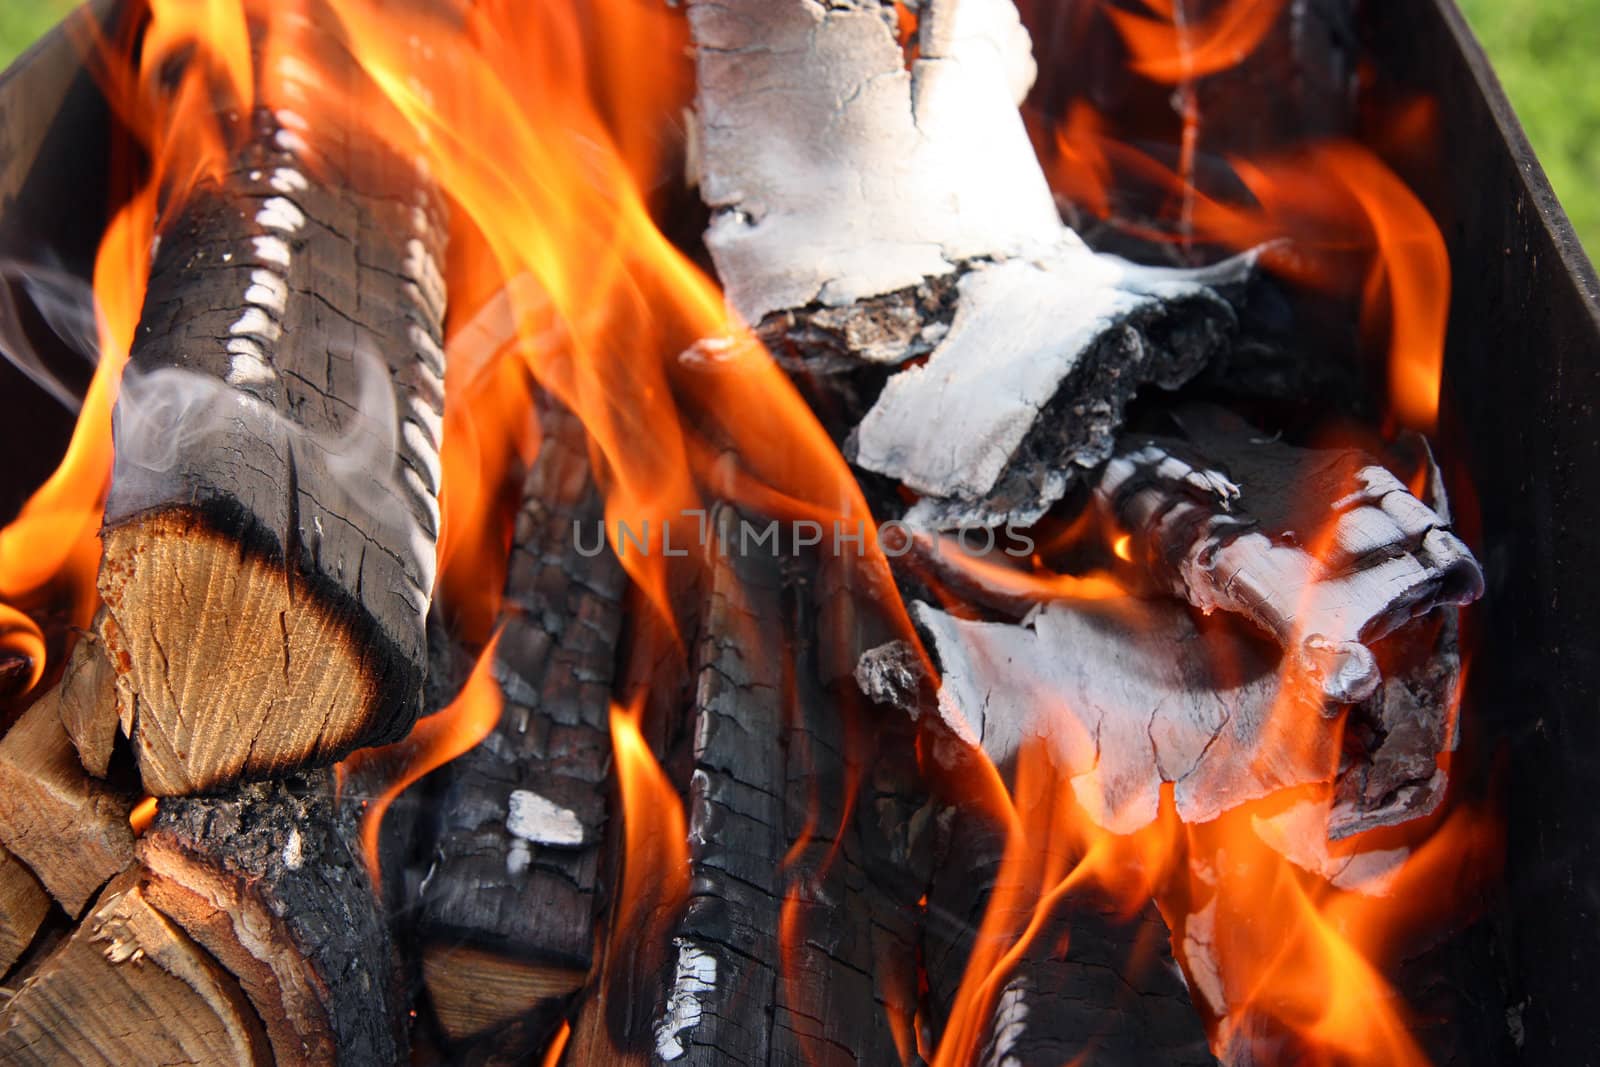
1544	51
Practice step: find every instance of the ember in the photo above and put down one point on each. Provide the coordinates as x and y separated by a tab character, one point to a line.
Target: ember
750	534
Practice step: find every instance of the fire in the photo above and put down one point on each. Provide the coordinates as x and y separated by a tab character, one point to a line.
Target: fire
550	145
142	815
1313	208
434	741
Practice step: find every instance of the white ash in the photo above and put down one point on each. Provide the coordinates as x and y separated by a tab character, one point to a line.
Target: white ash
696	974
541	821
288	181
271	249
282	214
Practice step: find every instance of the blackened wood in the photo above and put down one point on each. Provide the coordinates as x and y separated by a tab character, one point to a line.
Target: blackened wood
515	872
1094	985
264	881
269	539
1324	549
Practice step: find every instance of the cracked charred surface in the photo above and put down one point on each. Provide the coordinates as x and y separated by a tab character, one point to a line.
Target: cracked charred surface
798	941
269	542
1096	984
1323	549
262	879
507	914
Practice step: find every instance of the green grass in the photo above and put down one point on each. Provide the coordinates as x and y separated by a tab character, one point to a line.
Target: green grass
22	21
1544	51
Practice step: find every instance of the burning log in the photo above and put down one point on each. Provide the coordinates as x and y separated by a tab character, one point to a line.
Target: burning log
1094	983
930	174
269	535
792	947
262	880
1323	549
508	909
129	986
71	830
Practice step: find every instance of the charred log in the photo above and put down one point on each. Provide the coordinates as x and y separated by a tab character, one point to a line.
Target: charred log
264	882
508	909
269	534
1093	985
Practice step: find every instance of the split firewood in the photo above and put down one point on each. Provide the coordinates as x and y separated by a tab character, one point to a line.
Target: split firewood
1093	985
269	542
70	829
88	698
1324	549
507	917
263	881
23	906
928	175
130	986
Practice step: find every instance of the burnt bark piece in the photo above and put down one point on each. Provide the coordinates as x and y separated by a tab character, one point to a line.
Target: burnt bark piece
129	986
262	880
269	542
71	830
1325	550
509	903
930	179
1126	696
1092	986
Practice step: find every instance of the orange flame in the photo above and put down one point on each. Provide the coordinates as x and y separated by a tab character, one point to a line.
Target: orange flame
558	1045
436	740
142	815
1168	48
655	865
1313	208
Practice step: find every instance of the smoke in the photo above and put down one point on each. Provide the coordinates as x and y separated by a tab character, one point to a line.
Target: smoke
66	304
172	423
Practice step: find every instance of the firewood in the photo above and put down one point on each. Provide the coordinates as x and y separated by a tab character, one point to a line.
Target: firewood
929	174
23	906
129	986
269	542
507	914
89	699
1323	549
1094	984
70	829
792	948
263	881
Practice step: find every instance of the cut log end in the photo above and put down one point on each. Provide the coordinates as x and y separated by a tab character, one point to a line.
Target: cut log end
129	986
475	990
233	667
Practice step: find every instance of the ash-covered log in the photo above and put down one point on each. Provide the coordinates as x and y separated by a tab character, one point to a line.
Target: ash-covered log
929	180
1324	549
130	986
507	916
269	541
262	879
